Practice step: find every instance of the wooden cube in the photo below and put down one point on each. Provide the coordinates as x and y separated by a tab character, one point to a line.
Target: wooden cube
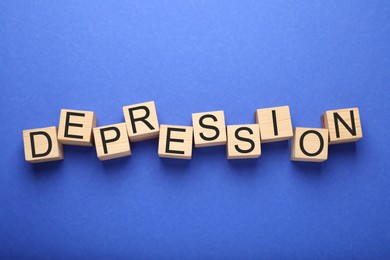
111	141
141	121
309	144
343	125
41	145
243	141
275	124
76	126
209	128
175	142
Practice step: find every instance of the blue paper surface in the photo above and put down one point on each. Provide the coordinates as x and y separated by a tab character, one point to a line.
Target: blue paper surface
195	56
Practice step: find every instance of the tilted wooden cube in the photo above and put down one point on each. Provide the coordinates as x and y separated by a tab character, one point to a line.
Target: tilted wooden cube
275	124
141	121
309	145
209	128
41	145
75	127
343	124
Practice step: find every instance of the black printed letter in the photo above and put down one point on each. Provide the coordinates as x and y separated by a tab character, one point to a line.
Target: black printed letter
244	139
67	124
169	139
49	144
274	122
209	127
301	141
104	141
143	119
352	129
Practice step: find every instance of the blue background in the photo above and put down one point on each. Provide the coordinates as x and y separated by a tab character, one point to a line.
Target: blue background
195	56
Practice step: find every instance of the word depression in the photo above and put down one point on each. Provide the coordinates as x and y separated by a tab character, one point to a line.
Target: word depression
274	124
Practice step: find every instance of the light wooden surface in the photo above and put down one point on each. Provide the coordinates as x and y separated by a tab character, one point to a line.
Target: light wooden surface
351	117
41	145
209	128
181	139
79	134
139	130
275	124
309	140
238	149
115	149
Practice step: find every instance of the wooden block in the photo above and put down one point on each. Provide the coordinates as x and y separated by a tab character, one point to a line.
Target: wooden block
275	124
343	125
175	142
141	121
76	126
243	141
111	141
309	144
209	128
41	145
